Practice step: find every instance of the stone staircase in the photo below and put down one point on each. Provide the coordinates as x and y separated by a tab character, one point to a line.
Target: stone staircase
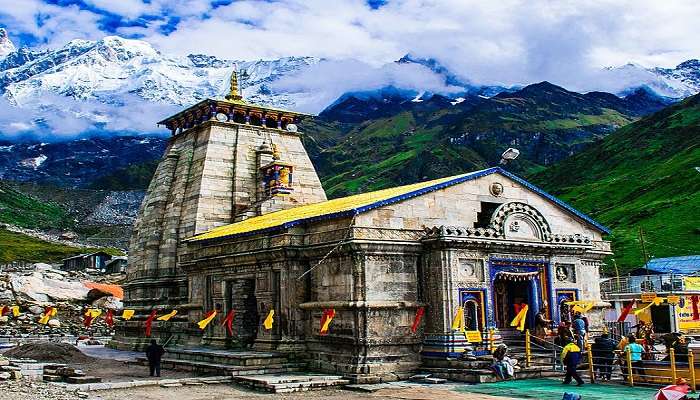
227	362
479	370
287	383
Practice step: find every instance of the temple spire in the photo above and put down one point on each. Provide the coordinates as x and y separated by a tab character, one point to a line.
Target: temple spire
234	93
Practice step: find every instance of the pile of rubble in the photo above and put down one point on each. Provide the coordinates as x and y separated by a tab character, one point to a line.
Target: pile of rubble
36	287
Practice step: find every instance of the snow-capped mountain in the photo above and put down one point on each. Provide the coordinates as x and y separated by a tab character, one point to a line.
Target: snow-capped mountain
99	70
6	45
677	83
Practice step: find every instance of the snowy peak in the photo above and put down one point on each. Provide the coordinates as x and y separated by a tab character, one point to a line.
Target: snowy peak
114	67
6	45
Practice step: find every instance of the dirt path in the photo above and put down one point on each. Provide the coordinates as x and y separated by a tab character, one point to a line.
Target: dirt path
231	392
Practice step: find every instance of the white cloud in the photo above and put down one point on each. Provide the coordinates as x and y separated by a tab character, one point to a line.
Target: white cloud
510	41
58	117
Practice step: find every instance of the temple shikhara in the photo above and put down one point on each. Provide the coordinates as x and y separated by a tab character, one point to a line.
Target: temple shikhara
235	219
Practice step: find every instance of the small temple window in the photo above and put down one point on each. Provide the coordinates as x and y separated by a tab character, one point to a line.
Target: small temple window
483	217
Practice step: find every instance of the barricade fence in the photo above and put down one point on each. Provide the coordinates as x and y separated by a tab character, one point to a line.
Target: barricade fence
655	368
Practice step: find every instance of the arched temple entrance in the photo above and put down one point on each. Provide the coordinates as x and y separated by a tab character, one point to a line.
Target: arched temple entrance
515	283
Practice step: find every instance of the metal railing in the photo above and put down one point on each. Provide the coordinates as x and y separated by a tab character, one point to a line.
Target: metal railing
655	368
641	283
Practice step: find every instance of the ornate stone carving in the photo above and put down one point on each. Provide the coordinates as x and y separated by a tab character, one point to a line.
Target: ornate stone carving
565	273
470	269
496	189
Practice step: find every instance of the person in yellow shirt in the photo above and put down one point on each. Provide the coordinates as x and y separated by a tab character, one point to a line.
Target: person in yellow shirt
570	356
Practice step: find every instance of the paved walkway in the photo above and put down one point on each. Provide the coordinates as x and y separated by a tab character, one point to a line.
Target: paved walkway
550	389
105	353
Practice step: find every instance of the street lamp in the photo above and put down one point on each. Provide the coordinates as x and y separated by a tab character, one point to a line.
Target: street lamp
509	155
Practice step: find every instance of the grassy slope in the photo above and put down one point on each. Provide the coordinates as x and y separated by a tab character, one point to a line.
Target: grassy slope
415	144
640	176
19	209
19	247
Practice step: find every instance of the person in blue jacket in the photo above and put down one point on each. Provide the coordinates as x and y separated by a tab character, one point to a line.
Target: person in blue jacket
570	356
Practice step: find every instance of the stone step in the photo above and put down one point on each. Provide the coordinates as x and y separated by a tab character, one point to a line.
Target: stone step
487	375
235	370
287	383
244	358
83	379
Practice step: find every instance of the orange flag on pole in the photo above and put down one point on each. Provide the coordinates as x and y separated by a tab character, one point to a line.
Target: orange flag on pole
417	319
326	319
149	322
207	319
109	318
4	310
228	322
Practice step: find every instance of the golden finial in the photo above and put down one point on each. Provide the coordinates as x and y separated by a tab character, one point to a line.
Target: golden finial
233	94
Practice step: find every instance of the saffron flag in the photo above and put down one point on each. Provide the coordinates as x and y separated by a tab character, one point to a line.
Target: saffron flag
520	319
228	322
269	320
149	322
458	322
167	317
4	310
417	319
109	318
207	319
626	311
326	318
15	311
45	317
127	314
51	311
656	302
93	312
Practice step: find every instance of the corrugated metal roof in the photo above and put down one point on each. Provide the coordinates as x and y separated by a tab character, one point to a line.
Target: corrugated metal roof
357	204
678	265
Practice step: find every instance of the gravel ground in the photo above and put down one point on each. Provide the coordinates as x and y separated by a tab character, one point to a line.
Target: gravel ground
232	392
35	390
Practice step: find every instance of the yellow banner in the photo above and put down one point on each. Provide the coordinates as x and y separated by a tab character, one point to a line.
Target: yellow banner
269	320
648	297
691	283
203	323
127	314
673	299
473	336
167	317
519	320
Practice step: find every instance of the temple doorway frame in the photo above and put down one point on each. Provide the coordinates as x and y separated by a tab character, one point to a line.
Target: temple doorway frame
539	290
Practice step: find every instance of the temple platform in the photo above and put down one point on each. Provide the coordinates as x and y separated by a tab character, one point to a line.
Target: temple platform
227	362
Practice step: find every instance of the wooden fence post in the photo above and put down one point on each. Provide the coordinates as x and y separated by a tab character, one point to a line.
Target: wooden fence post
672	359
691	369
527	348
591	369
628	356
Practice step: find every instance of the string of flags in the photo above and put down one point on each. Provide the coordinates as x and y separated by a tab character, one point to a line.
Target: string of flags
91	314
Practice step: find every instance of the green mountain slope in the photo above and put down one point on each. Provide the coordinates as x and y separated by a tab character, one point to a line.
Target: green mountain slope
19	209
436	137
643	175
18	247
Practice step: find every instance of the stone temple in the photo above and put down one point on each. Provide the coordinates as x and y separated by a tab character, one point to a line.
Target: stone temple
235	218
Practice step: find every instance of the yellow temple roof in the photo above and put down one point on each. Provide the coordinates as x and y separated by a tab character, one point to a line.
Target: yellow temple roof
359	203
